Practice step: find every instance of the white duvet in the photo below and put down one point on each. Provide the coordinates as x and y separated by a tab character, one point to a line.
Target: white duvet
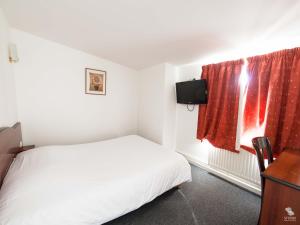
88	184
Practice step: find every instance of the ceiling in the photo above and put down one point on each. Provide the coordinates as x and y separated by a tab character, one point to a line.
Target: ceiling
141	33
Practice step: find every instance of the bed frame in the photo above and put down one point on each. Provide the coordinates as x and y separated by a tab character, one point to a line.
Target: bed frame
10	146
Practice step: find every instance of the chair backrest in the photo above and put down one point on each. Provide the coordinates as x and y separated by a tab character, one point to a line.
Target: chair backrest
262	145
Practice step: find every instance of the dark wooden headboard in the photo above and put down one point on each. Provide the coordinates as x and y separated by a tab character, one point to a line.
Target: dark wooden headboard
10	145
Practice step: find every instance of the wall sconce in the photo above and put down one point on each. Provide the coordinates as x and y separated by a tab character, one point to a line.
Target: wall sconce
12	53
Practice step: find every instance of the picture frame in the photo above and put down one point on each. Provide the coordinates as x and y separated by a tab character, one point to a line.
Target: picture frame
95	81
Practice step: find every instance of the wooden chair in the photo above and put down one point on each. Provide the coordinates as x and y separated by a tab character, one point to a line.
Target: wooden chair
262	147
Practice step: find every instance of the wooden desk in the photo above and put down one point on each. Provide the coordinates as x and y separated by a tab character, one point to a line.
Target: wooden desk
281	197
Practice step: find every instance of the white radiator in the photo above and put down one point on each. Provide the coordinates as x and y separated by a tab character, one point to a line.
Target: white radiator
243	165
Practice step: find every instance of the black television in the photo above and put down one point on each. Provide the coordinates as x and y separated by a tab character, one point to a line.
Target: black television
192	92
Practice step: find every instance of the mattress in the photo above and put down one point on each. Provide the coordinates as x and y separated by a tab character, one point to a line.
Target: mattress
88	184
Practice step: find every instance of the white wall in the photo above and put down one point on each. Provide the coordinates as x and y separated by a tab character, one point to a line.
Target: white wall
151	103
51	99
157	105
169	129
8	108
186	132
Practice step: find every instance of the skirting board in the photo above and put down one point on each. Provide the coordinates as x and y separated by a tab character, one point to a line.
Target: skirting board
224	175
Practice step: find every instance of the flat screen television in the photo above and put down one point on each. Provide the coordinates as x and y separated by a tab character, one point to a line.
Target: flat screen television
192	92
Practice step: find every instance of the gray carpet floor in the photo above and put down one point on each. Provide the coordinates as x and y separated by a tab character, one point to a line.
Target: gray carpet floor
207	200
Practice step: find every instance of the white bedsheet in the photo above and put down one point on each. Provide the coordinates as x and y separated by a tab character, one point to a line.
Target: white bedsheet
88	184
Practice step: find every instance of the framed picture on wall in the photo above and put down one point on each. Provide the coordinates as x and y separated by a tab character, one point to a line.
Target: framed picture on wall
95	82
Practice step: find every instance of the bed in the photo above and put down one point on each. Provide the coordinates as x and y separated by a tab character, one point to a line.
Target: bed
87	184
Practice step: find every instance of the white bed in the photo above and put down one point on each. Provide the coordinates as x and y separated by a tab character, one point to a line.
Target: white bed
88	184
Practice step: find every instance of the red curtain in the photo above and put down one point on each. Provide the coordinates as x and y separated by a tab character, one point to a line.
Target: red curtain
217	121
272	105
